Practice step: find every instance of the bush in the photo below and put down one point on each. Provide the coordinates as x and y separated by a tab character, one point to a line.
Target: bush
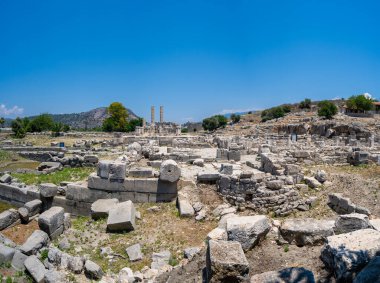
43	122
214	122
359	103
131	125
184	130
327	109
117	121
235	118
274	113
305	104
18	128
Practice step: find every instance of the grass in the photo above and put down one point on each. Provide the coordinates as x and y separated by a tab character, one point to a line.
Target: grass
66	174
8	155
5	206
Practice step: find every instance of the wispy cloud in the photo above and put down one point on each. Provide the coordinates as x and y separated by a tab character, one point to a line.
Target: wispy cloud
228	111
15	110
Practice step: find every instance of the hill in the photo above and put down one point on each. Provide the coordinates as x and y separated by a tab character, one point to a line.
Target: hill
84	120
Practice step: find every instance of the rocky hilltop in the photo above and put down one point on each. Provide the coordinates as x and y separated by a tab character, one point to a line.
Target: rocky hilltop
83	120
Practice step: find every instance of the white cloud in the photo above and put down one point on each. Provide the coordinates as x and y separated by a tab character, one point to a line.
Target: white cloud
188	119
228	111
15	110
367	95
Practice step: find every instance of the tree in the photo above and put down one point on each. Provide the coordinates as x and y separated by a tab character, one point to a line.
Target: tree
117	121
41	123
305	104
327	109
2	121
274	113
214	122
18	128
359	103
132	124
235	118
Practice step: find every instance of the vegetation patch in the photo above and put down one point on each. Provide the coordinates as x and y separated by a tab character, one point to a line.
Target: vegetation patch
66	174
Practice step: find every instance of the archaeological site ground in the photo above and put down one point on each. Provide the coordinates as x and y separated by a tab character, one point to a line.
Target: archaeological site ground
288	199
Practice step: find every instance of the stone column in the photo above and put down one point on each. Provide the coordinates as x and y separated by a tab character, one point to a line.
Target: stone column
152	115
161	114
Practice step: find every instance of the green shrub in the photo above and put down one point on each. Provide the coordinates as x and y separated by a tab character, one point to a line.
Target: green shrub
327	109
274	113
305	104
359	103
235	118
214	122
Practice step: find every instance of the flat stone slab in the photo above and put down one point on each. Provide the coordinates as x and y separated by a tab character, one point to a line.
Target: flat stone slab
35	242
122	217
101	207
8	217
185	208
308	231
141	172
36	269
208	176
287	275
346	223
134	252
18	260
247	230
225	260
48	190
346	254
33	207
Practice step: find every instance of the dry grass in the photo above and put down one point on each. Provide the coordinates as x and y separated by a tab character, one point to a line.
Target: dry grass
21	232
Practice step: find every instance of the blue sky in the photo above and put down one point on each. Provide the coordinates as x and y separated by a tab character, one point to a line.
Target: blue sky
196	58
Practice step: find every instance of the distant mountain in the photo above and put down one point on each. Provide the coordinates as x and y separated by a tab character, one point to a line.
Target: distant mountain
84	120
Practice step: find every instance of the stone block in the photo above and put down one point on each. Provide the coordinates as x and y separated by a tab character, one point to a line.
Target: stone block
226	262
6	254
134	252
122	217
287	275
18	260
35	242
52	220
48	190
351	222
36	269
170	171
101	207
34	207
8	217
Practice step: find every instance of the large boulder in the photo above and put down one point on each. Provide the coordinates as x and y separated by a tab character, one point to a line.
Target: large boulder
8	217
35	242
287	275
36	269
33	207
51	221
351	222
122	217
226	262
247	230
370	273
101	207
170	171
306	231
347	254
184	207
48	190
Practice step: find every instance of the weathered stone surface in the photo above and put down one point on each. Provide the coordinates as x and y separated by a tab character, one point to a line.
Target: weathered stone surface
8	217
199	162
52	220
18	260
66	221
35	242
160	260
34	207
4	240
342	205
101	207
226	262
36	269
75	264
189	253
275	184
370	273
135	146
208	176
54	255
122	217
92	270
170	171
306	231
24	214
6	254
52	276
134	252
247	230
312	182
184	207
375	223
217	234
346	254
226	169
140	172
287	275
48	190
117	171
6	178
351	222
321	176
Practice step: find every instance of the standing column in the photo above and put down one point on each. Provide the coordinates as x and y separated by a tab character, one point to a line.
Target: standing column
161	114
152	115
